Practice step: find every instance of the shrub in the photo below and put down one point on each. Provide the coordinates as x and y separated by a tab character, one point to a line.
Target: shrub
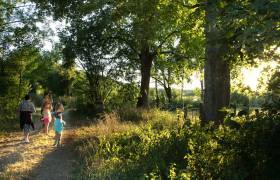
248	151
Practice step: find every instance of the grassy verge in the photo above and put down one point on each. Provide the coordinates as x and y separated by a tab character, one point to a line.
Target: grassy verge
145	146
158	145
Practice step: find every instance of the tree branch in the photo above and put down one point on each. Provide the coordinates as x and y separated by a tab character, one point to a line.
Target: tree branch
15	7
181	56
192	6
178	30
18	21
11	22
166	38
158	80
127	43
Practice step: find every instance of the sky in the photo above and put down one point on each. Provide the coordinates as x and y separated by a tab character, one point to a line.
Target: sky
55	27
251	75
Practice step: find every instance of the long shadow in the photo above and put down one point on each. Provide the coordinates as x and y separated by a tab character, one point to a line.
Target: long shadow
8	142
12	145
9	159
58	164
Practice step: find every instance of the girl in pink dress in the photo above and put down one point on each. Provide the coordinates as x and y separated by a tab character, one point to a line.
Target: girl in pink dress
47	116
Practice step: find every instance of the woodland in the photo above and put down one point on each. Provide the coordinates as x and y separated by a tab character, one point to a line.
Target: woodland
123	70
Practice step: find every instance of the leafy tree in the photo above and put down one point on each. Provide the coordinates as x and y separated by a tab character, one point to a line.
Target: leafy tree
272	102
132	31
236	31
179	60
18	41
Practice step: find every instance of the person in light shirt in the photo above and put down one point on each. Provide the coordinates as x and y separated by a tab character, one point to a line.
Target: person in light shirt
26	108
47	118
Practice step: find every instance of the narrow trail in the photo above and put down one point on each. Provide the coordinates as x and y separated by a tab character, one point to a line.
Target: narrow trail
38	159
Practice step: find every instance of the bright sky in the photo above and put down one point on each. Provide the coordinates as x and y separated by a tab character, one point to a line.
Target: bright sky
251	75
55	27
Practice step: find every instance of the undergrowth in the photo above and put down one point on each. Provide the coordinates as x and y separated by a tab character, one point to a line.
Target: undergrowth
161	145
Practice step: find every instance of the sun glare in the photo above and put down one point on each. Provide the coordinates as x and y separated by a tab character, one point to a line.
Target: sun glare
251	77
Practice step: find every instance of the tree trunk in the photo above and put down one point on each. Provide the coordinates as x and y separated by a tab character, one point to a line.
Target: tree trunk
19	86
217	71
157	97
168	92
146	58
201	87
96	100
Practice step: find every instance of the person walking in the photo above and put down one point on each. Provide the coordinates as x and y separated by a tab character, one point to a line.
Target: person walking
26	108
58	124
47	116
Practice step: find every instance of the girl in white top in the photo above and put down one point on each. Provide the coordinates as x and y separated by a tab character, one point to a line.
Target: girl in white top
47	115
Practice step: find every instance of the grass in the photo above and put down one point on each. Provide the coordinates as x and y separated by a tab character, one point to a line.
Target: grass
155	144
131	144
106	126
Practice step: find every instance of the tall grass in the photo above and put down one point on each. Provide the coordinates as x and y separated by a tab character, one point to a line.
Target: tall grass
159	145
132	144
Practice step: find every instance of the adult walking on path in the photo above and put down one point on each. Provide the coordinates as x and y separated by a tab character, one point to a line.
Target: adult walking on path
26	108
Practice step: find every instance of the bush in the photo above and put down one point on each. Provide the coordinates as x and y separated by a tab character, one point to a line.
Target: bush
9	115
246	149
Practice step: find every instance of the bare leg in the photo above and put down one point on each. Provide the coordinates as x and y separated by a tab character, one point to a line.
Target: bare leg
55	139
47	128
59	138
26	136
26	133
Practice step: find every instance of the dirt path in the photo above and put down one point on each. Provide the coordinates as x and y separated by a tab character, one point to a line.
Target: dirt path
38	159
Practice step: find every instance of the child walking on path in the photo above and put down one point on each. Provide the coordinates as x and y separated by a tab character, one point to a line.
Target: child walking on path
58	124
47	116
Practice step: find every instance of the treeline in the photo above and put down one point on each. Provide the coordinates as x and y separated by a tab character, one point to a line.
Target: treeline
106	46
167	40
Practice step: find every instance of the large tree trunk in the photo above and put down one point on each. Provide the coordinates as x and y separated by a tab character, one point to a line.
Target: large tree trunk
146	58
217	71
96	100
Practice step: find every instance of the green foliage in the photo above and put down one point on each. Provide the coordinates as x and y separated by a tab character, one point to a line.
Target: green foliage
14	83
272	100
109	38
19	39
143	115
8	111
142	152
114	94
190	99
240	149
